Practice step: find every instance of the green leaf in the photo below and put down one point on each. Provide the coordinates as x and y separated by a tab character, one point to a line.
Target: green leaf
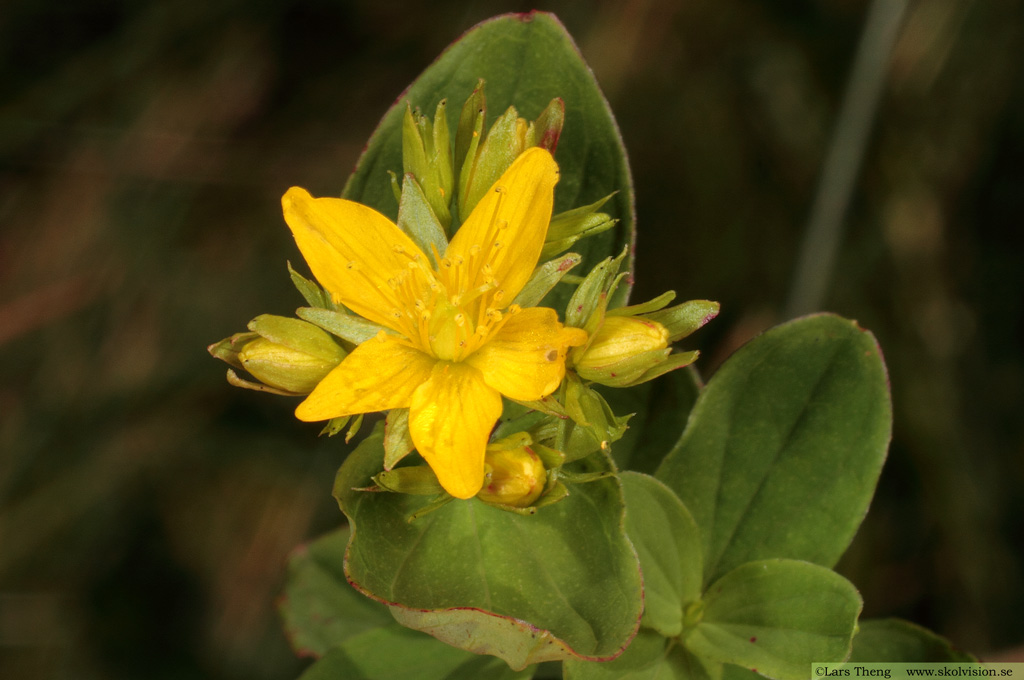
320	609
357	637
895	640
785	444
776	617
396	652
563	582
668	543
526	60
649	657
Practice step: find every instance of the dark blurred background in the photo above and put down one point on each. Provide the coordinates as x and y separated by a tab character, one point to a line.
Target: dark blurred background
147	508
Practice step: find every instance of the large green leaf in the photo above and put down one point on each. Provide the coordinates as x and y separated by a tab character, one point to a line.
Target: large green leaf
668	543
895	640
320	609
357	638
561	583
397	652
784	447
650	657
776	617
526	60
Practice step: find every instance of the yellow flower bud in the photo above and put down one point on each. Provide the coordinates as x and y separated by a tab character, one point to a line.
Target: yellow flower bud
619	339
513	477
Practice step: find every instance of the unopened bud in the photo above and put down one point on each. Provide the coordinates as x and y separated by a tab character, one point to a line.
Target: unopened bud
418	480
289	354
622	337
513	477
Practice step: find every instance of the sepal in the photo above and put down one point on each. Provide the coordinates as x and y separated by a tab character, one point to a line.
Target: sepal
417	218
684	319
544	278
568	227
594	426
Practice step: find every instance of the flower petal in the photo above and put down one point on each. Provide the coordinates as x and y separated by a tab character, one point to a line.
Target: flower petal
450	421
355	253
525	359
381	373
509	224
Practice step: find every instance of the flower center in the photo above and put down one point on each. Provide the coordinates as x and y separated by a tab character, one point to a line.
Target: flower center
451	312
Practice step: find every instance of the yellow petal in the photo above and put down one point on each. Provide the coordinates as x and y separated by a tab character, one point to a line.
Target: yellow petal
450	421
509	225
380	374
355	253
525	359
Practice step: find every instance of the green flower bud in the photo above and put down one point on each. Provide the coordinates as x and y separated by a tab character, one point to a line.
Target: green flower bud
514	477
427	156
287	355
282	367
417	480
482	159
629	345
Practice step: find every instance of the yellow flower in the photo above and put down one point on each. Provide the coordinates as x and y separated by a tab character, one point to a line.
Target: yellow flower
454	344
